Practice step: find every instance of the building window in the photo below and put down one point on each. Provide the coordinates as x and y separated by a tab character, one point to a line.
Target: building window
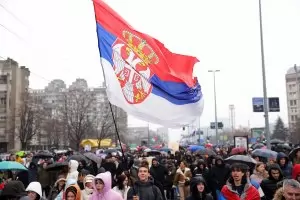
293	102
3	100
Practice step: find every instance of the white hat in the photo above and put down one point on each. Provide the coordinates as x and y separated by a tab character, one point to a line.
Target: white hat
89	178
35	187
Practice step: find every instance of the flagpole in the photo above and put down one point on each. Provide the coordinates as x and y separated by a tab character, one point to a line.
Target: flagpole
113	115
266	115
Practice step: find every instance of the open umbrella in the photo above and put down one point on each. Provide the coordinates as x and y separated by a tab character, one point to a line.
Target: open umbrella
238	150
208	152
57	166
93	157
194	148
11	165
265	153
241	159
276	141
257	146
78	157
43	155
293	153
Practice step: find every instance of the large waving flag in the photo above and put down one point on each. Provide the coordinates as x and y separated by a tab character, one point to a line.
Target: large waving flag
142	76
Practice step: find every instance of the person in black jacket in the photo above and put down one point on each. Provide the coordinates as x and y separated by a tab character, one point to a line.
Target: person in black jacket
144	188
158	173
217	177
270	185
199	190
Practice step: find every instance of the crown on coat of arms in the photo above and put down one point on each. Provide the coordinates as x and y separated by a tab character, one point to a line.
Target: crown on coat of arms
140	48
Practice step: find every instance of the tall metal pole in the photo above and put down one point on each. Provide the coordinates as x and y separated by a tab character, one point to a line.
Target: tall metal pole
148	135
215	97
267	126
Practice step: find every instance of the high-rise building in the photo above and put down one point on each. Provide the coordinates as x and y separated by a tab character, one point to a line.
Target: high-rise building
292	79
53	100
14	82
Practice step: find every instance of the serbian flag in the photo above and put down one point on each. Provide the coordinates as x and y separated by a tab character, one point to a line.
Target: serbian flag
142	76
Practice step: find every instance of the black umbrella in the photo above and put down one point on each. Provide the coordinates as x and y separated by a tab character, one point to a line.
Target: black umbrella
208	152
93	157
276	141
257	146
241	159
292	154
57	166
78	157
43	155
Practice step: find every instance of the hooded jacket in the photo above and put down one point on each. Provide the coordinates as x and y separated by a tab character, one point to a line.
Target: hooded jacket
195	195
69	182
145	191
107	193
35	187
229	193
74	188
73	173
296	171
87	192
14	189
287	167
269	186
218	175
55	190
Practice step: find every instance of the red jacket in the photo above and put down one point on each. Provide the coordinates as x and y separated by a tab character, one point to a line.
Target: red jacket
249	193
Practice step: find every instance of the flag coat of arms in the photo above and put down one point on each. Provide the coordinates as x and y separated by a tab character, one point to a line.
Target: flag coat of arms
142	76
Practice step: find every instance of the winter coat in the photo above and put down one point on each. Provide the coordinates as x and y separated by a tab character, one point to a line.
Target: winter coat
43	177
55	190
269	186
296	171
37	188
107	192
86	193
14	189
123	192
195	195
287	167
179	176
73	173
145	191
229	193
159	173
69	182
32	172
279	194
77	193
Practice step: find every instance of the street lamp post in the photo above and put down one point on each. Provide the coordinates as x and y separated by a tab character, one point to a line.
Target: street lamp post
215	97
267	126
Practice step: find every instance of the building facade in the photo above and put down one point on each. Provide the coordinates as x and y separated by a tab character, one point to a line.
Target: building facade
53	99
14	82
292	79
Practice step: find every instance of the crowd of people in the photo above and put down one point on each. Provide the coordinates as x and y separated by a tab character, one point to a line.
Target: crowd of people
183	175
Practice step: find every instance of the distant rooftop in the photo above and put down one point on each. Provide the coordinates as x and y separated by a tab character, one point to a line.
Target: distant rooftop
292	70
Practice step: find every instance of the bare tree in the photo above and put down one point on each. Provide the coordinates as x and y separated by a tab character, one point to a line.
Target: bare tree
30	115
54	129
76	111
104	124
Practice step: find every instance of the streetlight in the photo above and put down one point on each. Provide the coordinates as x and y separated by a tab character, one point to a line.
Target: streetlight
215	97
267	126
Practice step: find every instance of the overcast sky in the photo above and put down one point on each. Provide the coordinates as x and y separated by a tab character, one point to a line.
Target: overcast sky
56	39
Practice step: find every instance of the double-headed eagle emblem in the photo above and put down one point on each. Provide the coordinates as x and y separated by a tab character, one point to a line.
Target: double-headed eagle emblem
132	57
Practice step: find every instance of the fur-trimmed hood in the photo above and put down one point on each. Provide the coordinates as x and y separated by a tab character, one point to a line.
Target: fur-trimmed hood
279	194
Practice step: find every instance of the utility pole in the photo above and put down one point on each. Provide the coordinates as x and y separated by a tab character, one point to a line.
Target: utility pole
215	97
